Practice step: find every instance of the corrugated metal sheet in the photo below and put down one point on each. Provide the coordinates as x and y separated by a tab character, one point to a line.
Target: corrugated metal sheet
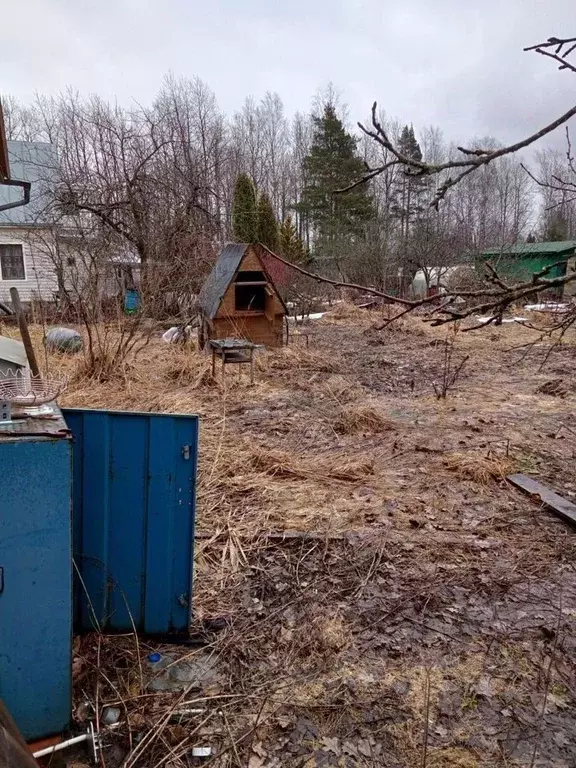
133	514
36	578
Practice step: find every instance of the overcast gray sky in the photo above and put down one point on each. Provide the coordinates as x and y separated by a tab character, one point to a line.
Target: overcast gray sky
457	64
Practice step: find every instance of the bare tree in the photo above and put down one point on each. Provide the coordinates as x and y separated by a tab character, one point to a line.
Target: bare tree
559	49
159	182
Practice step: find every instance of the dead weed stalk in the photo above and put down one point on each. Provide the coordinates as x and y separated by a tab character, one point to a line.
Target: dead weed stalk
452	366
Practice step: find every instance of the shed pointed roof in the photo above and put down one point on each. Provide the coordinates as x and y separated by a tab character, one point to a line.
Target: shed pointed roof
223	272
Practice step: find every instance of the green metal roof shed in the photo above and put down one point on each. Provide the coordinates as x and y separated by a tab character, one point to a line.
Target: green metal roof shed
521	260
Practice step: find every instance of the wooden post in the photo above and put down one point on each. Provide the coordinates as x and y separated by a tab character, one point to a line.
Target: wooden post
213	362
24	332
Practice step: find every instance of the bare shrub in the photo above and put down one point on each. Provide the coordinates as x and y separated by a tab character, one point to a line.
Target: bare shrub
452	365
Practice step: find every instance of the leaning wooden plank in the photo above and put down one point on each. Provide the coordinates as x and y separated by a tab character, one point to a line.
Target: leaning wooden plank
563	508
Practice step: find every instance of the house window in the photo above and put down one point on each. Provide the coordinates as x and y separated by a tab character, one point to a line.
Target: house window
12	262
250	297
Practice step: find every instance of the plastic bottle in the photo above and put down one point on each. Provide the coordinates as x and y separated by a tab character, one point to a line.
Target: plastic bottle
157	664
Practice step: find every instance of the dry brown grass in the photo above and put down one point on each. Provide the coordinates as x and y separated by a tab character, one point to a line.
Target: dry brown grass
383	518
322	468
345	310
343	389
329	634
184	366
482	469
295	358
362	418
452	757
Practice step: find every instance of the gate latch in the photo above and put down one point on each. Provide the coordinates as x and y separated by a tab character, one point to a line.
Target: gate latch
186	452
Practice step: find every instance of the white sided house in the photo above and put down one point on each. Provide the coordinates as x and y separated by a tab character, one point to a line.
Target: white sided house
25	231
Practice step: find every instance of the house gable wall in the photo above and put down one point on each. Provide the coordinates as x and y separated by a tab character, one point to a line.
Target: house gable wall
41	281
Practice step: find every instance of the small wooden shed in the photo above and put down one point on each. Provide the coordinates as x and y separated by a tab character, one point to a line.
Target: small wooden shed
239	299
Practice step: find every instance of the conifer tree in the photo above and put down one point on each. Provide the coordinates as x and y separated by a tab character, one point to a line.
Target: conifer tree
267	224
338	220
244	211
409	189
291	245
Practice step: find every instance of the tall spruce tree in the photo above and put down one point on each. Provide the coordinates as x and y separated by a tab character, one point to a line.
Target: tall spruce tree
338	220
555	226
245	211
291	245
409	190
267	224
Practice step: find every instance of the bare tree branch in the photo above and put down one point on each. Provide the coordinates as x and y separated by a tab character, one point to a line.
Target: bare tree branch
475	158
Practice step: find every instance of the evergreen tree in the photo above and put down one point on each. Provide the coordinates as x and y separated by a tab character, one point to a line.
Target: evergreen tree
291	245
338	220
409	189
244	211
267	224
555	227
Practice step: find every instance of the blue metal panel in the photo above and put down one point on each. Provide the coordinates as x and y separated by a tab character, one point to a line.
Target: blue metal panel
133	512
36	598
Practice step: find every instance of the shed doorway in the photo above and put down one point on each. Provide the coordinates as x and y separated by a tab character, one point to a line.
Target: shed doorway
250	291
250	298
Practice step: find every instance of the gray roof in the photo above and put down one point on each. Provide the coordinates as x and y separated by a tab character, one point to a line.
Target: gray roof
220	278
33	161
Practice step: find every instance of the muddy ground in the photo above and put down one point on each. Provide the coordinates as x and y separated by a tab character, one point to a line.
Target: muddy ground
373	590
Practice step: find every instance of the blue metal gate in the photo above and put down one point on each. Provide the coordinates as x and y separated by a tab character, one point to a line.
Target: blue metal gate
134	478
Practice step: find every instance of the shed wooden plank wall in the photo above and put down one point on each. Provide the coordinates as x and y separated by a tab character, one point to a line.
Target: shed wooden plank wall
257	329
260	328
227	308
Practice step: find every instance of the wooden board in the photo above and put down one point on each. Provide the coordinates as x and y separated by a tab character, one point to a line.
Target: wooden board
560	506
256	328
